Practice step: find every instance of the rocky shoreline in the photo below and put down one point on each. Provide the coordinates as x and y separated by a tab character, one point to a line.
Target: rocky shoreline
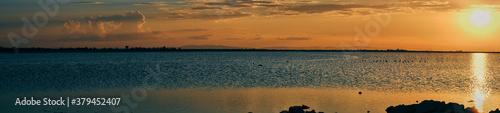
426	106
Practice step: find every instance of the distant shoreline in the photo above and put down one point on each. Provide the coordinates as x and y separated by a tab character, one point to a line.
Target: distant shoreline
175	49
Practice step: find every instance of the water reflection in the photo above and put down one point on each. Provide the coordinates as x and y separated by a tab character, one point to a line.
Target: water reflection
480	91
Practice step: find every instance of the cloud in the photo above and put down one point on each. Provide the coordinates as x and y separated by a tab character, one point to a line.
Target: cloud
228	9
189	30
152	3
207	15
87	3
322	8
235	38
204	7
200	37
106	28
271	5
434	5
115	37
295	38
257	38
216	9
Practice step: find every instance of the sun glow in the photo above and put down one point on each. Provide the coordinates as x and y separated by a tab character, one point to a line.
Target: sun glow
479	20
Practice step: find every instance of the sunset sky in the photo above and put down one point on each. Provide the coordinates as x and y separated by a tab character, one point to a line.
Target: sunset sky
469	25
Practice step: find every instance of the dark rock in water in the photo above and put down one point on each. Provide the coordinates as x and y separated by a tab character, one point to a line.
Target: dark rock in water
295	109
496	111
430	106
284	111
299	109
305	107
401	109
312	111
360	93
471	110
260	65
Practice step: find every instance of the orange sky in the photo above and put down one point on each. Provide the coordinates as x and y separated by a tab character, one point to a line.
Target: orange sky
294	24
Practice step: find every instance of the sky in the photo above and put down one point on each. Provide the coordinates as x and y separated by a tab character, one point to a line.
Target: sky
468	25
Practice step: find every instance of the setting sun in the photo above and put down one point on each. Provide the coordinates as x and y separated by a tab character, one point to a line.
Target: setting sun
480	18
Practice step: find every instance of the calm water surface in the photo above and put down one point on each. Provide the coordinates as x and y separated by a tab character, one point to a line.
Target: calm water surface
229	82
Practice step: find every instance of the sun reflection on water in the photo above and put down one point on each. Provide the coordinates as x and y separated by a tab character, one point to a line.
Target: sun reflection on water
479	86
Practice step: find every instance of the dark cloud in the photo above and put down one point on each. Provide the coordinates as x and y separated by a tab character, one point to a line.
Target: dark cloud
87	3
200	37
152	3
204	7
238	3
271	5
295	38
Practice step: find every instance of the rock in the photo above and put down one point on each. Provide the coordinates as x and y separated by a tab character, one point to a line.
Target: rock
430	106
313	111
305	107
496	111
284	111
401	109
457	108
295	109
471	110
299	109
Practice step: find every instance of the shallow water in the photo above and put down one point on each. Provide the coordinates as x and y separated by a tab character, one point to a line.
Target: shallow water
234	82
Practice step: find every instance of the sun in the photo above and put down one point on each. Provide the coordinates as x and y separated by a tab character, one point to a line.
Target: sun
480	18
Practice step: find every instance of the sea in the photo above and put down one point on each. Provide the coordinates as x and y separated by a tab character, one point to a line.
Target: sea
246	81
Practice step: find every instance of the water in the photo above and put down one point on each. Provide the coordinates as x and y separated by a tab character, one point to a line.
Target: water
252	81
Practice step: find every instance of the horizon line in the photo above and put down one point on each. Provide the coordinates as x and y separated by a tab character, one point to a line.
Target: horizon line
164	48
